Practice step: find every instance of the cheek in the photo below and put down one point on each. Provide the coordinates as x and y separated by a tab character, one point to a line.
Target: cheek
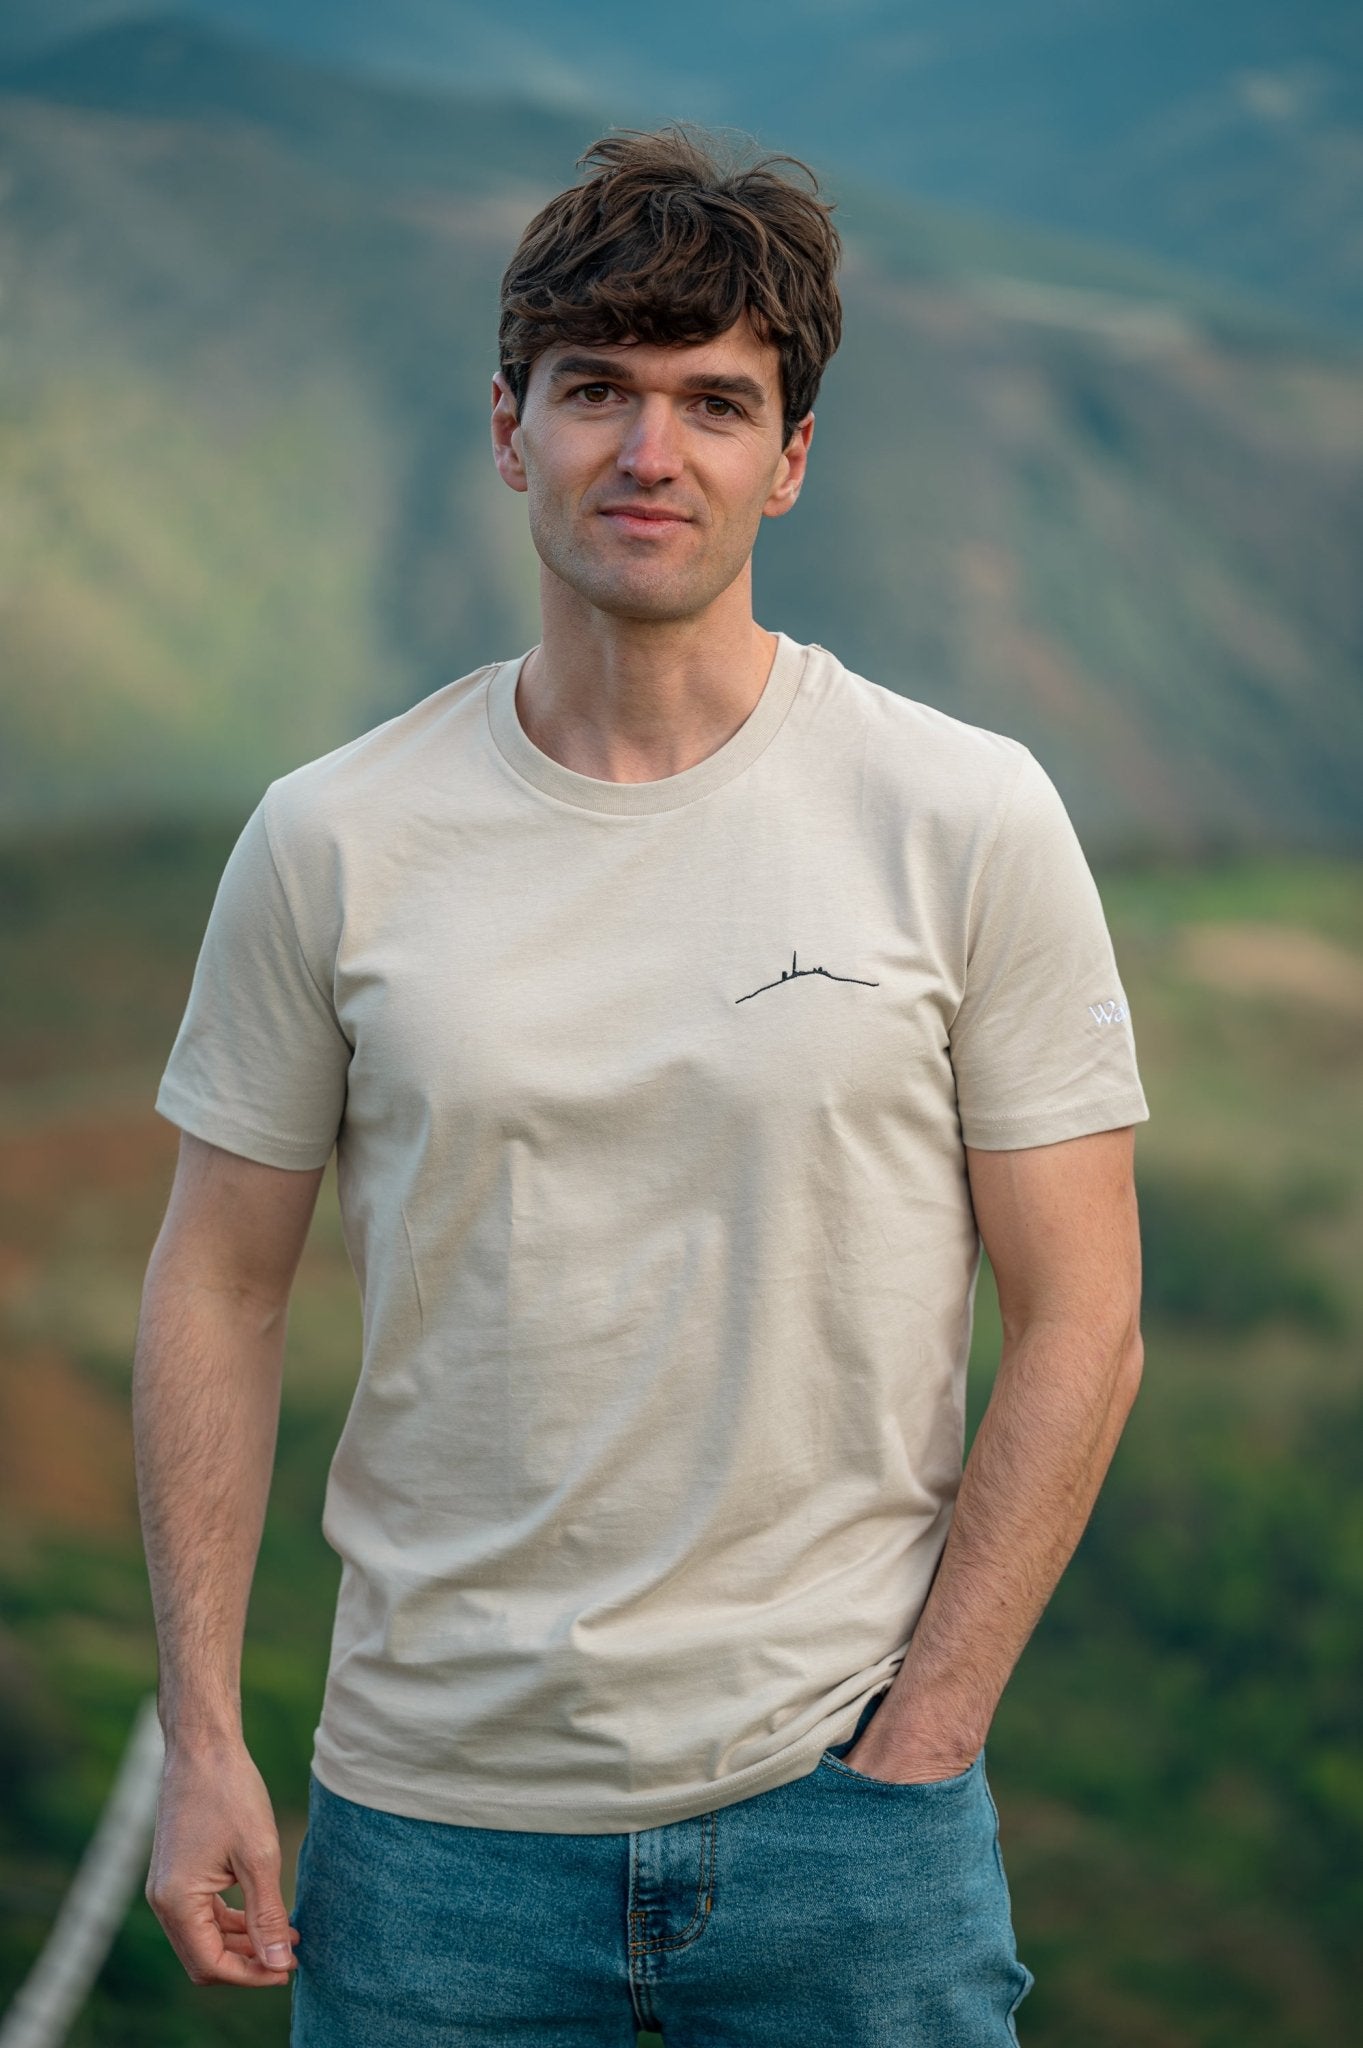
743	499
750	482
566	476
549	496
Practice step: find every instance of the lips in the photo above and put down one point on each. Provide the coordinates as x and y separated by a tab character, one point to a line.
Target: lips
645	515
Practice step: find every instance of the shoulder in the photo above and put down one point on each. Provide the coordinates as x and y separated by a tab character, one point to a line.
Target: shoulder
913	755
357	789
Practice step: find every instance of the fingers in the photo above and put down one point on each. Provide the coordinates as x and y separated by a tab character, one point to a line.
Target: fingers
210	1954
232	1926
267	1917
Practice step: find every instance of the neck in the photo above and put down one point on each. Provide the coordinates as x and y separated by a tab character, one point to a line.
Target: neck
633	700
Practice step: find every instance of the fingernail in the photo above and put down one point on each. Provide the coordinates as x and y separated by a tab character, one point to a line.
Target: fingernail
277	1956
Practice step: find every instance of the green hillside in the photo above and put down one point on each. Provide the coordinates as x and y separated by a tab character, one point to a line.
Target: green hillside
250	511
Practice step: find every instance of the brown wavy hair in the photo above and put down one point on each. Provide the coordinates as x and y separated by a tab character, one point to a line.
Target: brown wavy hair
671	242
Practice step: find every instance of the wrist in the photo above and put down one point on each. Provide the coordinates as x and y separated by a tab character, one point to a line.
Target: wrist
916	1720
190	1726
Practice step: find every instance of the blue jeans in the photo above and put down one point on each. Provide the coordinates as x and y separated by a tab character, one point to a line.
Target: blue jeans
838	1911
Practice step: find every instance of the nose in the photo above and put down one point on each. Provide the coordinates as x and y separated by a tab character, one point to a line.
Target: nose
651	450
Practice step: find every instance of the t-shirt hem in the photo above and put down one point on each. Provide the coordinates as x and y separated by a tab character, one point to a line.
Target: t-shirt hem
267	1148
603	1818
1012	1133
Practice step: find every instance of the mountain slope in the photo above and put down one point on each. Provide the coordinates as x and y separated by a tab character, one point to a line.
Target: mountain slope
1227	138
251	327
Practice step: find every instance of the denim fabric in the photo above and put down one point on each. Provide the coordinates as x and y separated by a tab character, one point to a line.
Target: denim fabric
838	1911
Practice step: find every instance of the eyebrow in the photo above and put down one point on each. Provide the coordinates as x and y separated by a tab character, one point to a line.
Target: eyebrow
611	371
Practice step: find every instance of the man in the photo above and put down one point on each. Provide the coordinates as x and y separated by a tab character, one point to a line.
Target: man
684	1010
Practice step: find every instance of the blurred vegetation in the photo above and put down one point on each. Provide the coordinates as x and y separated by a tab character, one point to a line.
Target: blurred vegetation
1176	1759
1219	1256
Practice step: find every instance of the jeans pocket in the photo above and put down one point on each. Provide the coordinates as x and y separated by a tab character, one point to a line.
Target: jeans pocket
919	1787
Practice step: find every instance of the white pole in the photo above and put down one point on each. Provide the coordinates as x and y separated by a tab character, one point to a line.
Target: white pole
90	1915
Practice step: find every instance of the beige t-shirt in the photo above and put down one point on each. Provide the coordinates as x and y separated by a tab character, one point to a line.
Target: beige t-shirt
648	1101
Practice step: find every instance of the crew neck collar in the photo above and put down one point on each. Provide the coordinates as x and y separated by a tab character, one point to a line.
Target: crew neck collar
591	793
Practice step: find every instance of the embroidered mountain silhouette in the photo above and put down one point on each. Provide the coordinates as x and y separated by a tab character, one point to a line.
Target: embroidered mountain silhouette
793	973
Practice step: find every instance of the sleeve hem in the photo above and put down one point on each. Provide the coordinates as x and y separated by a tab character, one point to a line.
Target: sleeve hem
1014	1133
267	1148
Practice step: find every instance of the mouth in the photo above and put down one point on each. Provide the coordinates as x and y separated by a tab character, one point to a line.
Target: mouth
643	519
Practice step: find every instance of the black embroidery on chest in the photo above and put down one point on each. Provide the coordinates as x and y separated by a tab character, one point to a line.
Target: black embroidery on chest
794	973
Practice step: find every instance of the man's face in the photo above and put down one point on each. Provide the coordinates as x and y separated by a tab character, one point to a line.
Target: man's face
649	469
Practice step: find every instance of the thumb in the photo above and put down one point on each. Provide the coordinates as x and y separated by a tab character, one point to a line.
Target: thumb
267	1919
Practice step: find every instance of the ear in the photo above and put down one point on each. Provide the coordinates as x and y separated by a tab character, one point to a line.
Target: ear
790	470
506	436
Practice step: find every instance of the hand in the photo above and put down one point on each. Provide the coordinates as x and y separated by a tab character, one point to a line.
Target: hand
215	1827
902	1766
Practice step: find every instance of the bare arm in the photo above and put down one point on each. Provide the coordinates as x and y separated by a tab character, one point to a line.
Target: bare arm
1059	1224
206	1387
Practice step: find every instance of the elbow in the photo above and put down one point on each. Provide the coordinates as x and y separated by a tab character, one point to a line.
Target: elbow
1130	1367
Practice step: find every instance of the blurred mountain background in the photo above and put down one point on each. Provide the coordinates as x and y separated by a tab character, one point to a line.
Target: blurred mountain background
1088	470
1066	488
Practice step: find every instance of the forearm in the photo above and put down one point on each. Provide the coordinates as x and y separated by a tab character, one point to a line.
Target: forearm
206	1381
1060	1401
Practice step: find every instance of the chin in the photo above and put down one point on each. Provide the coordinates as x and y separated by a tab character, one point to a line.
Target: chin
611	588
674	597
642	603
641	614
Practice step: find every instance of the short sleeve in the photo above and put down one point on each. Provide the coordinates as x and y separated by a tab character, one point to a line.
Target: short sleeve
259	1064
1042	1042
